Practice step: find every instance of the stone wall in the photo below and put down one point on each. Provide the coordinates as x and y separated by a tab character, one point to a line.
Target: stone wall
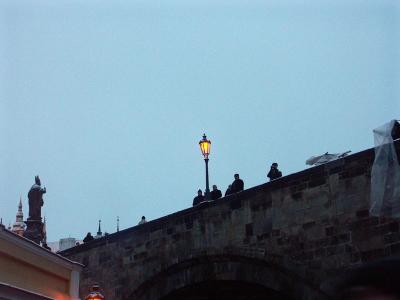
289	235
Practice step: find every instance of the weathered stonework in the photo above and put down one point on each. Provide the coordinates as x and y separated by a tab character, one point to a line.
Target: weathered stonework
288	236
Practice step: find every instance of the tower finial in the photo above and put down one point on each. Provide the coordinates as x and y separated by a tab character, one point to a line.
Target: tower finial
18	226
99	230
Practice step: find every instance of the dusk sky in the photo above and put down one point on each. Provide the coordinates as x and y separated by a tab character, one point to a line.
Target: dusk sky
107	100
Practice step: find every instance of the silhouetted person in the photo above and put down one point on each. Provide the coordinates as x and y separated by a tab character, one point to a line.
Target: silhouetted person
215	193
199	198
228	190
143	220
88	238
274	173
237	184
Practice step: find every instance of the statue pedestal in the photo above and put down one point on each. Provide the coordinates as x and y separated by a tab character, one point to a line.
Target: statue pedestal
34	230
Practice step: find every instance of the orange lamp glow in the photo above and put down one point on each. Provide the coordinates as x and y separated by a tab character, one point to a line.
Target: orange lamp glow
205	146
95	293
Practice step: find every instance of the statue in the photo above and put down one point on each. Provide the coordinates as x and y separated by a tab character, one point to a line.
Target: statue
35	230
35	197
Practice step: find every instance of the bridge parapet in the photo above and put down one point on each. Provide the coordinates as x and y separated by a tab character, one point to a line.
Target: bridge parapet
304	228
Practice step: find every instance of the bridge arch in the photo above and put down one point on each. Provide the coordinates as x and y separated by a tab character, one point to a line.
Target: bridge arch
225	277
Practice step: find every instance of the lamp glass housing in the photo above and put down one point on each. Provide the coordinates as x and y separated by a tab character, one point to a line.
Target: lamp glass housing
95	294
205	146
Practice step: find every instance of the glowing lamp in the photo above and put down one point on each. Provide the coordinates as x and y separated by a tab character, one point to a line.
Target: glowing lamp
205	146
95	293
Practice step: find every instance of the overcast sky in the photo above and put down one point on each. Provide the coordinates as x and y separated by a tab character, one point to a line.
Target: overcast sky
107	100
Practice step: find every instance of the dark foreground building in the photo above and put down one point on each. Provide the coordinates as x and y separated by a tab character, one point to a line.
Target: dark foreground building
285	239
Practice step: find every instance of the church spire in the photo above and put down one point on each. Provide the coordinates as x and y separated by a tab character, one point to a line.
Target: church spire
99	233
19	226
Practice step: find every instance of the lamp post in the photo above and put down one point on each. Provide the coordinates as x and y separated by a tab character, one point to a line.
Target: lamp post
205	146
95	293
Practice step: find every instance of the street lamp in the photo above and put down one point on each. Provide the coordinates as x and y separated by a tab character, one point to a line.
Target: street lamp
95	293
205	146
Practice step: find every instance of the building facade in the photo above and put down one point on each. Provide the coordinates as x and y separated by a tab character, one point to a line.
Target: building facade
29	271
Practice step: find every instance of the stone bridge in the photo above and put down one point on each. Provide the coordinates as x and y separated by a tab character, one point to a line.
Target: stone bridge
279	240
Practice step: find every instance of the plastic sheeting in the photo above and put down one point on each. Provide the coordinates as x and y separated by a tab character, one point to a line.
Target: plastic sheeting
385	174
324	158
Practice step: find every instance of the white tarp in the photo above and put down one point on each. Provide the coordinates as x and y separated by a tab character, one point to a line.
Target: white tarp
324	158
385	174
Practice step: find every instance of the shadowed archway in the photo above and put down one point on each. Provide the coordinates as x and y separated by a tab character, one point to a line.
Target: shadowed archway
225	289
225	277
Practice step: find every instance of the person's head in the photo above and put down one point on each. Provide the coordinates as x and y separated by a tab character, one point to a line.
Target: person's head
200	192
236	176
89	234
274	166
143	217
214	187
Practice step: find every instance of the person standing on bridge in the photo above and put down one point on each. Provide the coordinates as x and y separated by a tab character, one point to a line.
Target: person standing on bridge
142	221
215	193
89	237
237	184
228	190
199	198
274	173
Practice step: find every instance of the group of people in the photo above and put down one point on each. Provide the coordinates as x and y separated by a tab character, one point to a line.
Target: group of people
236	186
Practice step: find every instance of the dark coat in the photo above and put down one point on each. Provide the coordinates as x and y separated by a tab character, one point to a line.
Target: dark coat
88	238
228	192
237	185
215	194
198	199
274	174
